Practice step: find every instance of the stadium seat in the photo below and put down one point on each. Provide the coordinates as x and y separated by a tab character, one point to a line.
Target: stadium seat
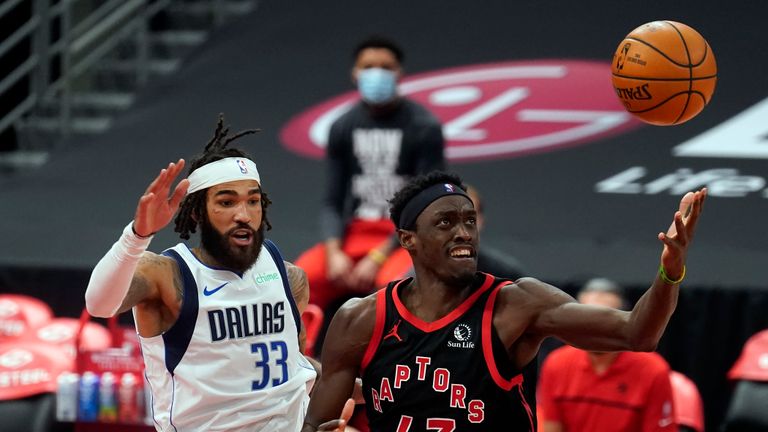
313	322
689	408
20	313
748	410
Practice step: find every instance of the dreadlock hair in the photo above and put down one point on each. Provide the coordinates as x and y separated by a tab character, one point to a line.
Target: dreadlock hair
192	209
415	186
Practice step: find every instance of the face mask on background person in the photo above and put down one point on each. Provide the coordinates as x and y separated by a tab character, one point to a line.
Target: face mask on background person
376	85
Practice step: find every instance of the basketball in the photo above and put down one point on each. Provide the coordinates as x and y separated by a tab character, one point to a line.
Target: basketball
664	73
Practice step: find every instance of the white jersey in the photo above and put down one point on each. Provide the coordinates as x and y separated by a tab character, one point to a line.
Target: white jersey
231	362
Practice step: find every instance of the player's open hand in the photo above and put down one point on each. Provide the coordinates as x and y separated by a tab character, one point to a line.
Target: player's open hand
156	208
678	237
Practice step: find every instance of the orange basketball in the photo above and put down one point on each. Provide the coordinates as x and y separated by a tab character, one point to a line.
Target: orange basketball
664	72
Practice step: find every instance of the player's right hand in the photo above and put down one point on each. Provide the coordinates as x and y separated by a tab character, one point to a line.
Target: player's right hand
156	208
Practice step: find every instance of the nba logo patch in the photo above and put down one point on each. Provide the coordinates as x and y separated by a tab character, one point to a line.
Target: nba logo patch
243	167
449	187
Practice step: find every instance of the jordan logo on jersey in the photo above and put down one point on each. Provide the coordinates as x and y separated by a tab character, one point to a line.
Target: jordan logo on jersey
393	332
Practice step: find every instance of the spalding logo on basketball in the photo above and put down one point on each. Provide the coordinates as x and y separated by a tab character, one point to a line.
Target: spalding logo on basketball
494	110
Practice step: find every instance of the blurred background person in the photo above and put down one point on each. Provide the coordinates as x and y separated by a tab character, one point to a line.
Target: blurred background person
373	149
600	391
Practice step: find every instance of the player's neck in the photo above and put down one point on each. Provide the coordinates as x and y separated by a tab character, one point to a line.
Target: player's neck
430	299
206	258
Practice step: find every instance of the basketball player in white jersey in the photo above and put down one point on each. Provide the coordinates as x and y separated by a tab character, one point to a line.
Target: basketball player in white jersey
219	325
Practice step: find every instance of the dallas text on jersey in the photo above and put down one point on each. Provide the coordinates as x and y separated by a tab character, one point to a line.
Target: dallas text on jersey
247	320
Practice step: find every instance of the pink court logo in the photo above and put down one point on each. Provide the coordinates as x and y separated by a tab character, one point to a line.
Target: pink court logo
496	110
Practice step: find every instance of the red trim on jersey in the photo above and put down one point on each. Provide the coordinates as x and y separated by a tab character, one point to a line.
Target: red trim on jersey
488	345
525	404
428	327
378	328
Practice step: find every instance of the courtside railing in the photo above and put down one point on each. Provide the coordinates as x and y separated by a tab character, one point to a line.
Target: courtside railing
60	41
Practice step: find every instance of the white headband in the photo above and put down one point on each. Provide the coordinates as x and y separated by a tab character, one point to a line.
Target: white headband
222	171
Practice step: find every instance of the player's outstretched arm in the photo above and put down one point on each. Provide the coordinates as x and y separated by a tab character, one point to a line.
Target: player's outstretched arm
605	329
128	274
345	345
651	314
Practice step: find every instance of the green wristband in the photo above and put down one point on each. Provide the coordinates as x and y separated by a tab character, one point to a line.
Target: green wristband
663	275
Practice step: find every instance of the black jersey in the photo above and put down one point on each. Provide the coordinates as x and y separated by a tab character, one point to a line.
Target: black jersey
452	374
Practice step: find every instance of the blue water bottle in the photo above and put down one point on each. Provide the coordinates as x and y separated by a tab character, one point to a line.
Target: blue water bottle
88	397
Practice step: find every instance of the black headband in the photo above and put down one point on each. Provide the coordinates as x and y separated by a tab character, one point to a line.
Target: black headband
418	203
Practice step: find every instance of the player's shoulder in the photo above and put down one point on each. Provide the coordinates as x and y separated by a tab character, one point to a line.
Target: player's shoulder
153	262
358	310
527	289
353	324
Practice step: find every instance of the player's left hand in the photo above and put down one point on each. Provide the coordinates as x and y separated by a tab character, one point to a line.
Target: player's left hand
678	237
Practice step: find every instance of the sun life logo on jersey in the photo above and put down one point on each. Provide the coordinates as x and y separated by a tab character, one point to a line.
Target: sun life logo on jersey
462	333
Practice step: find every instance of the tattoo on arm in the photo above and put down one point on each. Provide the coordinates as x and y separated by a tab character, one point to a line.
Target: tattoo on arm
142	284
136	293
178	285
299	285
300	290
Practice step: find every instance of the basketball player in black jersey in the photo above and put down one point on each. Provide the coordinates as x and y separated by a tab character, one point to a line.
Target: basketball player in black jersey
443	350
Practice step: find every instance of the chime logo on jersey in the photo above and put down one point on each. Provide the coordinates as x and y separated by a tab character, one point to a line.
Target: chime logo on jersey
246	321
263	278
462	333
505	109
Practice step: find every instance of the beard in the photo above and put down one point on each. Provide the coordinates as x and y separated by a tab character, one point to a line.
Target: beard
236	258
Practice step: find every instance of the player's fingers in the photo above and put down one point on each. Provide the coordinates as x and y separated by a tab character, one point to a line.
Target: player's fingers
169	174
686	203
348	410
156	182
692	220
178	194
672	230
142	212
174	169
680	227
333	425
